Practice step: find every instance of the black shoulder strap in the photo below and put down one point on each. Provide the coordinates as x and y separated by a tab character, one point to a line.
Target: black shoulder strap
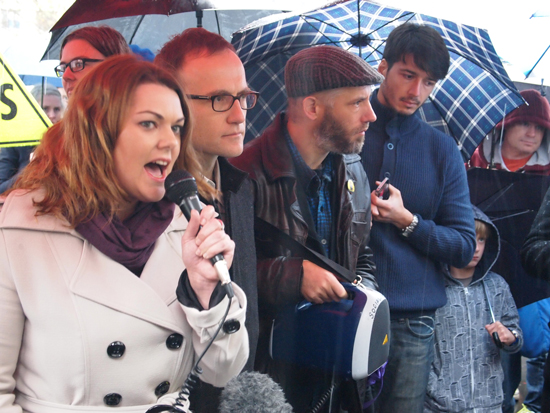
276	235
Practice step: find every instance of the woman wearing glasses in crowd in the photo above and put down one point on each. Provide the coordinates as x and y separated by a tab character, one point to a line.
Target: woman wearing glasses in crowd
85	48
92	254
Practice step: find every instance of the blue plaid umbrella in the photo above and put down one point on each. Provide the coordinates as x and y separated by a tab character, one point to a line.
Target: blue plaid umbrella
467	104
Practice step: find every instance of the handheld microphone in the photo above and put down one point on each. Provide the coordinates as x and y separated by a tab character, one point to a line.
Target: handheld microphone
252	392
181	189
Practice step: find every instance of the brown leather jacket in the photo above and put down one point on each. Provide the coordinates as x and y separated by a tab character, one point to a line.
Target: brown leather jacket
268	161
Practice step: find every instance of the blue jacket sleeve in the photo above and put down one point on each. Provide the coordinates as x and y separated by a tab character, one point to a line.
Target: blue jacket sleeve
450	237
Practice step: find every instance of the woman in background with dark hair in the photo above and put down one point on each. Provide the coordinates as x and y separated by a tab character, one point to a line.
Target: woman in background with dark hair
91	255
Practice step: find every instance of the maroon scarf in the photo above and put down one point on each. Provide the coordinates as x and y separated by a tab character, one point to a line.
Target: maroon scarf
129	242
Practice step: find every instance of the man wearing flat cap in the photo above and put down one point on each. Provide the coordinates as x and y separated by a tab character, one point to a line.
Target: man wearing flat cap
309	183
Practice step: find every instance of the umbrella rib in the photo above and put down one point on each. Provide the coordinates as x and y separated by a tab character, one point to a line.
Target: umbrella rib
407	15
322	22
490	72
457	105
443	117
540	58
494	198
218	22
322	34
136	29
359	27
491	69
56	35
494	219
410	15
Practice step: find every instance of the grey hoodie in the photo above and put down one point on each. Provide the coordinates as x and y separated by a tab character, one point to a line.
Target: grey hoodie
466	374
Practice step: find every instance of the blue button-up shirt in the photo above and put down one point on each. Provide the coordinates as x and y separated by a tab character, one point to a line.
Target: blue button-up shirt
317	184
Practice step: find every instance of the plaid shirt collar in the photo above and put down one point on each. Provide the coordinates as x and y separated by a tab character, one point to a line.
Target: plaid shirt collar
310	180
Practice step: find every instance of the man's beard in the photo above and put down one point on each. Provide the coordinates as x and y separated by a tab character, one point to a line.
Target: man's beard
333	136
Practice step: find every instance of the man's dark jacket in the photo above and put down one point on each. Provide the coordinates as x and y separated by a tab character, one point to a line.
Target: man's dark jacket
535	256
12	162
238	201
535	253
269	164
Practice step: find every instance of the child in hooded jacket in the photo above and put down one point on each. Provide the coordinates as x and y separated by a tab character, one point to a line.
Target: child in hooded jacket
466	375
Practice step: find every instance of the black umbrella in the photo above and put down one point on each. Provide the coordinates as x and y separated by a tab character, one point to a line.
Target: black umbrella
150	23
152	31
511	200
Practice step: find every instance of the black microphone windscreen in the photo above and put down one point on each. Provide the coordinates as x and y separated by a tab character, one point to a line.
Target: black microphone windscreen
180	184
253	392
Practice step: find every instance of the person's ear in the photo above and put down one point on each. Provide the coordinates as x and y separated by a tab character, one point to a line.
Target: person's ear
383	67
311	107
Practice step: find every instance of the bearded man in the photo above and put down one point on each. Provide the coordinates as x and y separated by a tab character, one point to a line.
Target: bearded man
309	182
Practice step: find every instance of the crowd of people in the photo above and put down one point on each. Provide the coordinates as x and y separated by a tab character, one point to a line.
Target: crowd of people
108	293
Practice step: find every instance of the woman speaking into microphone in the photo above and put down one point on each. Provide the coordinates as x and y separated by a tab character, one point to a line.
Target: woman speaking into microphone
91	255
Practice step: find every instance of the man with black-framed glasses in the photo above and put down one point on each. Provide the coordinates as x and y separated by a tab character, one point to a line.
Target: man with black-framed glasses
224	102
215	82
214	78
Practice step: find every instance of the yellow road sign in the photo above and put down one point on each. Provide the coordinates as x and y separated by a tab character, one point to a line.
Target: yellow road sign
22	120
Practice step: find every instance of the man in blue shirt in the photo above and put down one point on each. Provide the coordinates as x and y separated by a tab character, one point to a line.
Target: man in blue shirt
427	219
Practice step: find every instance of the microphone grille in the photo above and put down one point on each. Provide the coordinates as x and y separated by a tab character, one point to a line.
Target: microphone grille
253	392
179	185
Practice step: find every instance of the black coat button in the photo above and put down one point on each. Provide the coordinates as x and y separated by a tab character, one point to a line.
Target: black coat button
231	326
162	388
116	349
174	341
112	399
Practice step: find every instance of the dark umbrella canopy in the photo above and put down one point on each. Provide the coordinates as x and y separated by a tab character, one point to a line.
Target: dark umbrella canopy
511	200
467	104
151	23
152	31
85	11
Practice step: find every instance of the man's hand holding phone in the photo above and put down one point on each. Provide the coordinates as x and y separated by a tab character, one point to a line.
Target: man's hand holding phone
383	190
389	209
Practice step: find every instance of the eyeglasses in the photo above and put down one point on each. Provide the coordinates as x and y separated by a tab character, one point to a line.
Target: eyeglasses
76	65
222	103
